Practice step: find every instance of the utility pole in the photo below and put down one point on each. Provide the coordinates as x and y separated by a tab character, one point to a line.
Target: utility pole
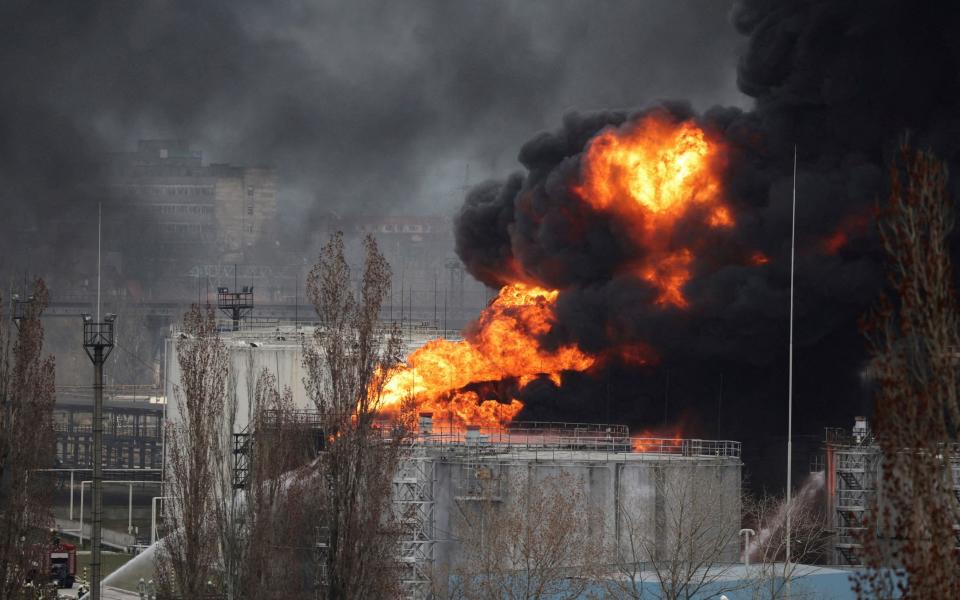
98	343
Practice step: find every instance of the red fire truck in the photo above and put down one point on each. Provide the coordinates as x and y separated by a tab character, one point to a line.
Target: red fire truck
62	565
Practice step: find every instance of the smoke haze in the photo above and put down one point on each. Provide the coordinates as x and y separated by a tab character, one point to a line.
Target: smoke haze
375	106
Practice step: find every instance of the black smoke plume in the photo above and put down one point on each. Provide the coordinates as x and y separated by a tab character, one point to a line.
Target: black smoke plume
843	82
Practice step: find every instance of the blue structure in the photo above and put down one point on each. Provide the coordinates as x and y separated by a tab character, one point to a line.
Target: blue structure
736	582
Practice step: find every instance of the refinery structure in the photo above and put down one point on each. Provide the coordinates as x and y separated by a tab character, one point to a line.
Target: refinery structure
853	467
449	471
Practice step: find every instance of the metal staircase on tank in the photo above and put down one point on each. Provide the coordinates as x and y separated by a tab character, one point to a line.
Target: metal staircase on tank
856	466
413	504
857	470
855	489
242	459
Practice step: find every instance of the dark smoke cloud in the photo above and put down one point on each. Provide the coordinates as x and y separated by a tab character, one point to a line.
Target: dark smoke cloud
842	81
364	105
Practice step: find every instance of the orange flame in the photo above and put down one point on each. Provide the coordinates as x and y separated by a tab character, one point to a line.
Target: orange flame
649	441
657	165
669	275
443	376
636	354
851	226
835	241
655	173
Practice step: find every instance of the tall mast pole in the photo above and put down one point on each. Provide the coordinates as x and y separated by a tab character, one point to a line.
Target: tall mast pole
98	342
99	231
793	245
95	542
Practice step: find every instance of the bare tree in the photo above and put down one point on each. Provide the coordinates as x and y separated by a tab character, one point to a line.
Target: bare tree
347	360
537	538
27	443
683	540
767	553
909	545
190	554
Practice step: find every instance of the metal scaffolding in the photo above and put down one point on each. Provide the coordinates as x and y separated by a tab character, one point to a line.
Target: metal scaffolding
857	469
853	472
413	505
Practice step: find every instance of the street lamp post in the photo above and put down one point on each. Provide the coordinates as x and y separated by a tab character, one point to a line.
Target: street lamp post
98	343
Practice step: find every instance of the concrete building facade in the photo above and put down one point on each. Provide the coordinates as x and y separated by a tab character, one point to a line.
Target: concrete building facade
195	208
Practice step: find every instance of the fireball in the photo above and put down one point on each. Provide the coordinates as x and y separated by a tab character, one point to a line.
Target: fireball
654	173
659	166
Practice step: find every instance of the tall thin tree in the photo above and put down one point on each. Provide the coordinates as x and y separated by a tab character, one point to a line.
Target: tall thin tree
909	538
27	443
346	361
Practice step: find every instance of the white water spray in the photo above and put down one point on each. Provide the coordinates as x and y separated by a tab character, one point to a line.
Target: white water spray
805	496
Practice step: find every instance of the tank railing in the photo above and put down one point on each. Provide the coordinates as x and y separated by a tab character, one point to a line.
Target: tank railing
575	428
533	436
838	436
594	438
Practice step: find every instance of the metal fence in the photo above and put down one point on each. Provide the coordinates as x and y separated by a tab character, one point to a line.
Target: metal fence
533	436
539	436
